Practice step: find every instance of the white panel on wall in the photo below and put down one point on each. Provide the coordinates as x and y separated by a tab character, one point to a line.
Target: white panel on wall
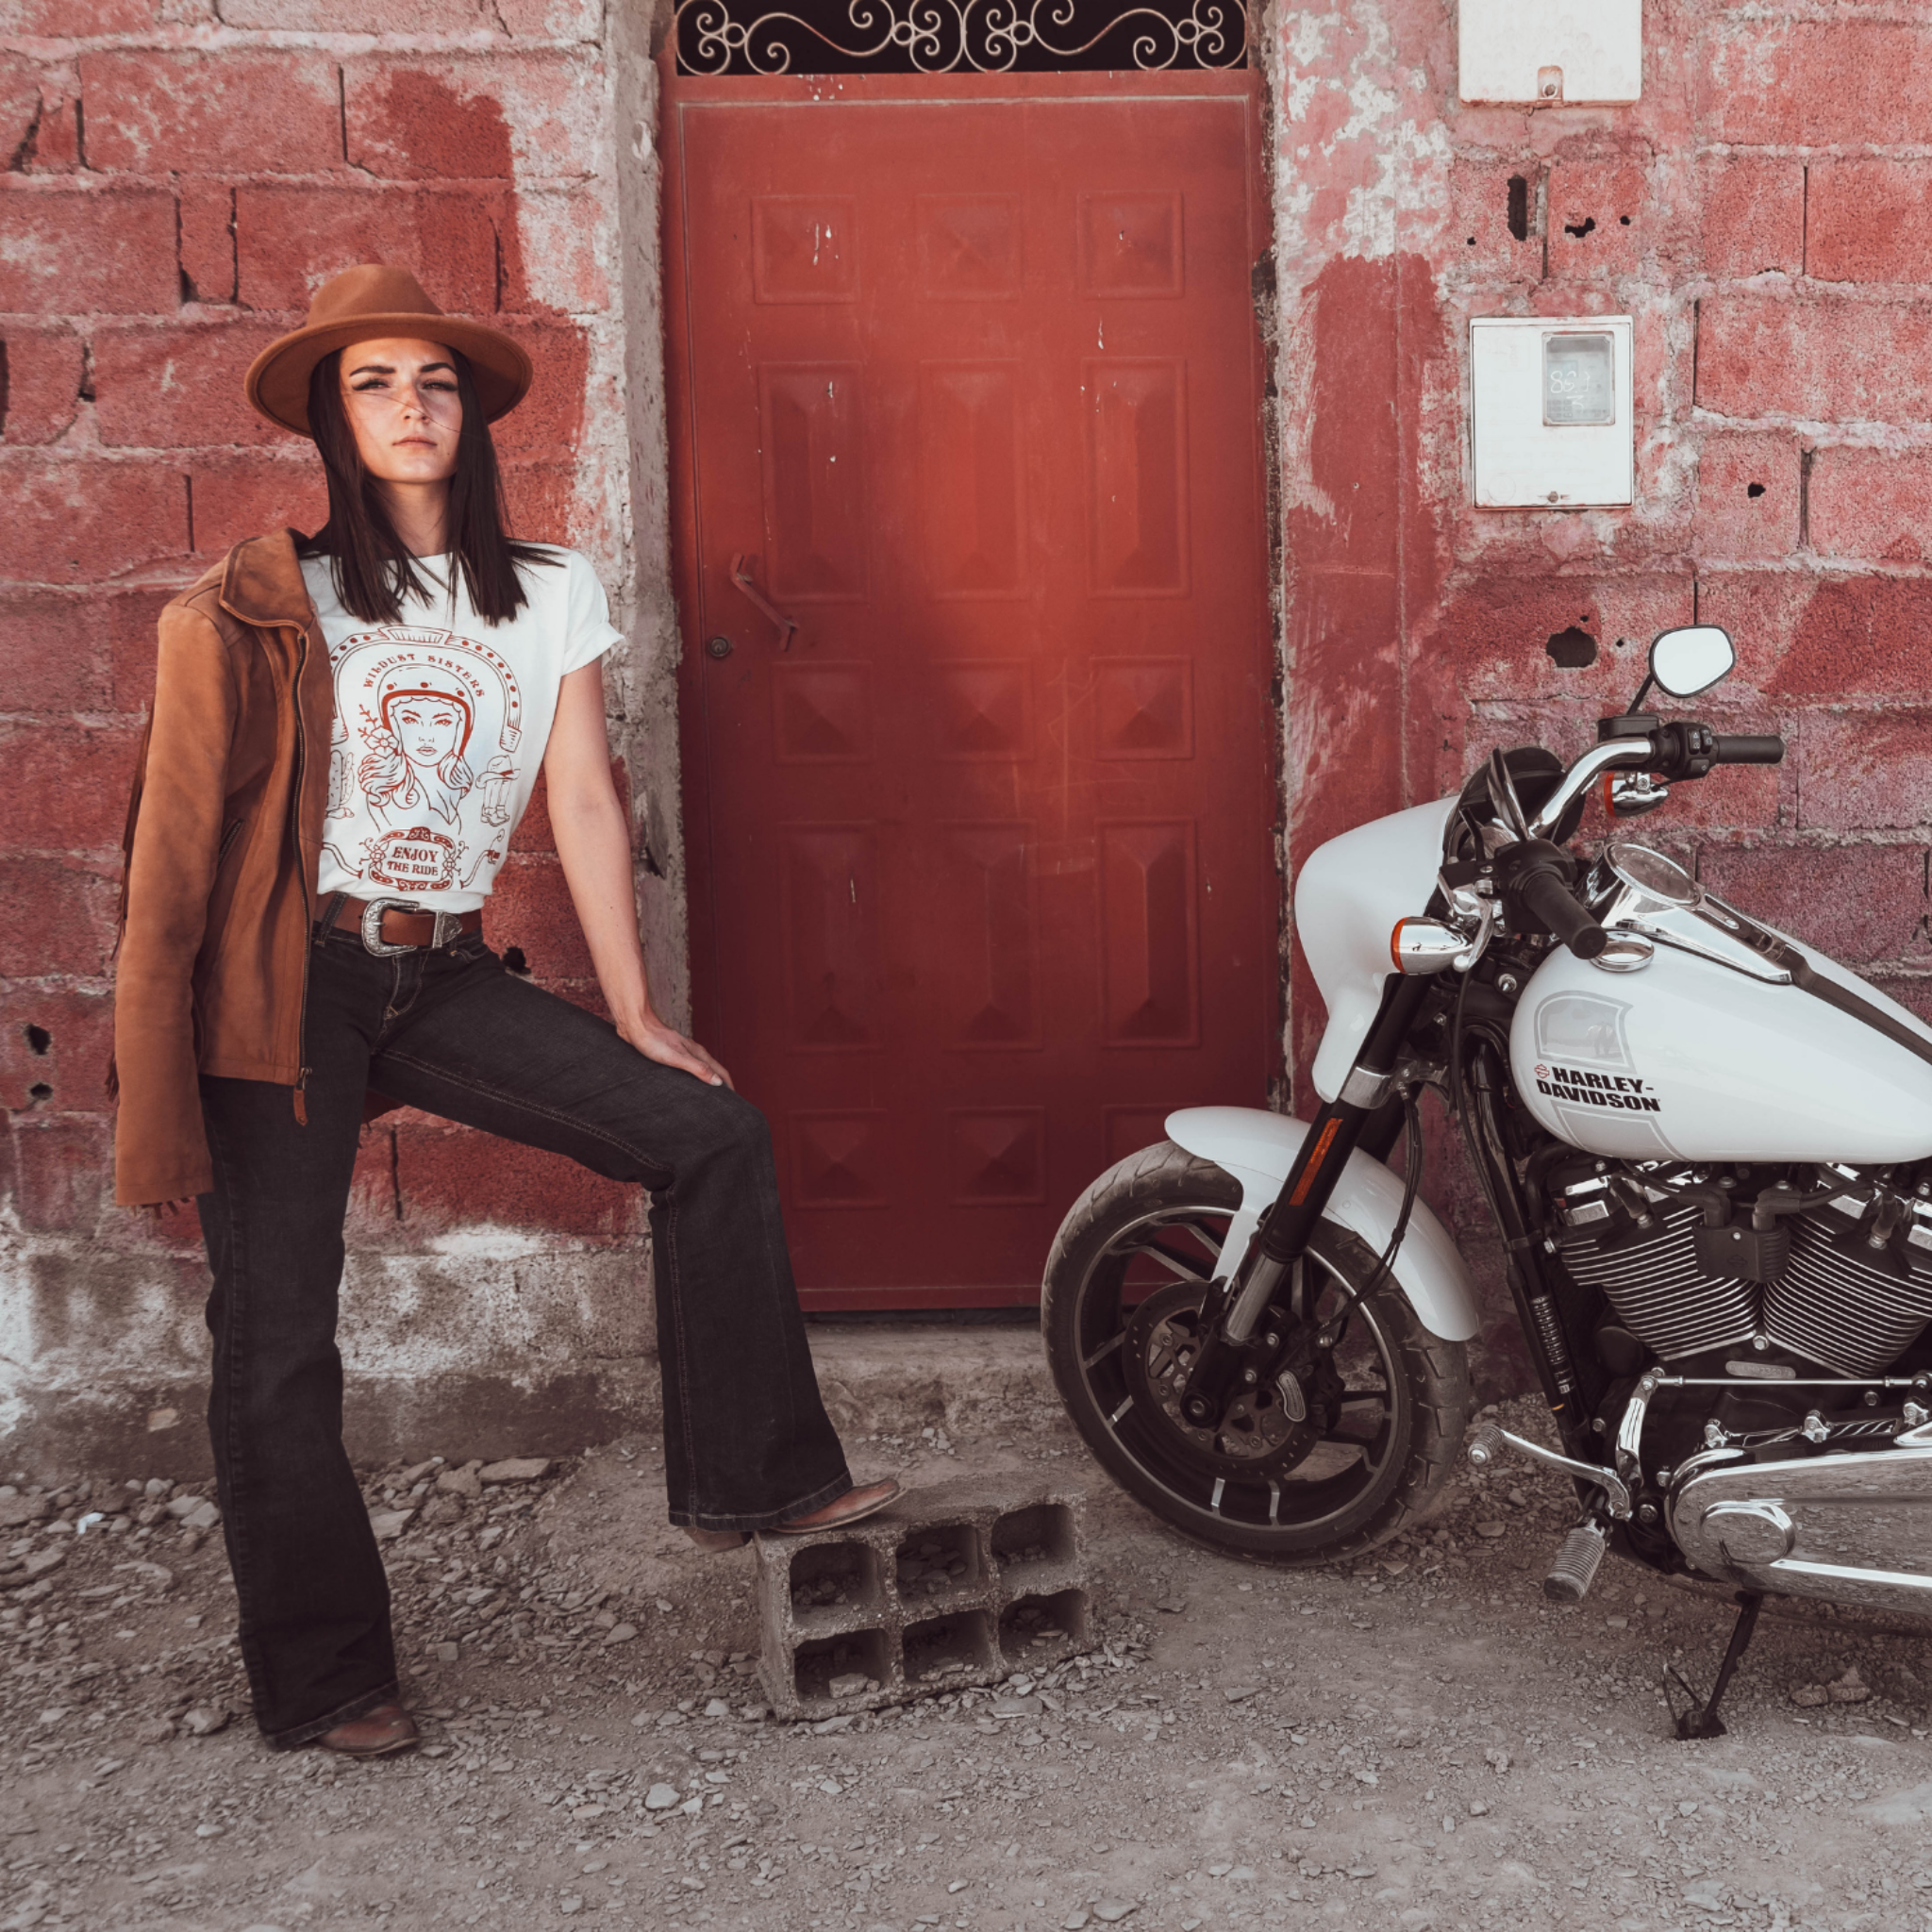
1550	422
1555	52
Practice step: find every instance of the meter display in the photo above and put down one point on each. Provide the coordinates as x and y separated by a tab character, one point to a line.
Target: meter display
1577	379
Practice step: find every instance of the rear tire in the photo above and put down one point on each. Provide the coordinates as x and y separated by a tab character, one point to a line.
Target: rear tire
1297	1493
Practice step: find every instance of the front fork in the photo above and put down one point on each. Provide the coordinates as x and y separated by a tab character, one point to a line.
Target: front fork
1286	1228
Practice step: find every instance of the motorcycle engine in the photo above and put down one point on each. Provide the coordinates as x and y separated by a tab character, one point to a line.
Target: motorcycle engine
1829	1265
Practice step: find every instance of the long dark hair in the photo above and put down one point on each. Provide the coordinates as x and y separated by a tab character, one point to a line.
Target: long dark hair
373	571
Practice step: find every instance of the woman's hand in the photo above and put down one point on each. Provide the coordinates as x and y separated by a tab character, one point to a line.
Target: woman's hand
670	1048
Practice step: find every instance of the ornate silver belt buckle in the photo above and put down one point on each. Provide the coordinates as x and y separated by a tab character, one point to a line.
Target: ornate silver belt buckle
372	940
449	927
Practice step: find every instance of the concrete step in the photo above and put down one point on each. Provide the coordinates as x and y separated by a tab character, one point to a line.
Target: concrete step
898	1378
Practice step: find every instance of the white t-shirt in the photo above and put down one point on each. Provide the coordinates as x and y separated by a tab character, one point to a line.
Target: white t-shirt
442	722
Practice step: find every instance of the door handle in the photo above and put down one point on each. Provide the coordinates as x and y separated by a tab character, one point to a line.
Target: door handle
741	575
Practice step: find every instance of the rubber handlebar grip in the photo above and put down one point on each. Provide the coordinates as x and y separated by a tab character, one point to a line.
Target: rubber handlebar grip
1747	750
1549	902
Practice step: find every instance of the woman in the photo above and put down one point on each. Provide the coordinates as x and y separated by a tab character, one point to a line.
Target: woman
309	850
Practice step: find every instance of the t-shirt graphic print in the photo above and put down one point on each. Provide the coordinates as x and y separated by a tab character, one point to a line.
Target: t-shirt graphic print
440	729
429	708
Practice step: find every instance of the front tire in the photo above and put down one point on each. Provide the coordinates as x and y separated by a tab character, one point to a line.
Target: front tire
1121	1283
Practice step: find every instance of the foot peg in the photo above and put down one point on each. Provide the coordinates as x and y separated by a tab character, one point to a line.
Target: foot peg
1577	1562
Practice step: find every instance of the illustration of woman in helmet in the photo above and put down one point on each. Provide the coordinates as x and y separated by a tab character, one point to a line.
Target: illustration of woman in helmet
421	732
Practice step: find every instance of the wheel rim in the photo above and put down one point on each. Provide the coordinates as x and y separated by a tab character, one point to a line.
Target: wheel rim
1130	1325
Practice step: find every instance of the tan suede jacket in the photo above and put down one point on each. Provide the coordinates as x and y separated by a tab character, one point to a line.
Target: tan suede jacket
224	846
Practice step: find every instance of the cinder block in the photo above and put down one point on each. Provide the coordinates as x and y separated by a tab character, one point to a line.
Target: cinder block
417	117
20	100
1832	638
1770	82
207	241
451	1177
1871	502
1491	200
1871	909
64	1168
83	521
43	372
70	786
557	251
1747	495
1597	217
1865	771
52	650
53	20
1753	217
242	496
290	240
1828	358
63	917
153	112
1866	222
54	1048
953	1586
1492	636
530	907
73	251
547	425
541	502
360	16
172	387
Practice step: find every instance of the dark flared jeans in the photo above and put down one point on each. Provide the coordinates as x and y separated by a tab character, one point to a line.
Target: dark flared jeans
746	1439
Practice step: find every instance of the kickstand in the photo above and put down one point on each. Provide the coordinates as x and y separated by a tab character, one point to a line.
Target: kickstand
1700	1720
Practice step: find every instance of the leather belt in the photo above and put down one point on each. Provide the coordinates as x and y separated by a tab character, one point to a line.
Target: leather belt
399	925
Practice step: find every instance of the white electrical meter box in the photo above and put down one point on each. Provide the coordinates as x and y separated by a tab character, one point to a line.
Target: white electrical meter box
1552	53
1549	411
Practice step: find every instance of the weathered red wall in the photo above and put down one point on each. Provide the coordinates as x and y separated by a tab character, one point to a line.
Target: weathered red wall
176	185
1763	215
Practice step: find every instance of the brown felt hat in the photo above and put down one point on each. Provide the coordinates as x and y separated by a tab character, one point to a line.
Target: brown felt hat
361	303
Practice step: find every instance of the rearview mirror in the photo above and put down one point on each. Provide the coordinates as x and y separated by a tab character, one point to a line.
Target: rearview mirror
1684	662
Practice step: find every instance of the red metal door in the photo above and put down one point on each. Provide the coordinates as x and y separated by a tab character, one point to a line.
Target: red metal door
981	869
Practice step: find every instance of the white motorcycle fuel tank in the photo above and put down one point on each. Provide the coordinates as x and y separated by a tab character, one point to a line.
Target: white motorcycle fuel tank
1692	1059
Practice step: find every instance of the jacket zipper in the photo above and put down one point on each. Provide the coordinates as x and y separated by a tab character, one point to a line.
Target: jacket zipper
308	887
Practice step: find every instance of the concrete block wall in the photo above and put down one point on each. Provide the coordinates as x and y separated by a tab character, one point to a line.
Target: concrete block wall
179	178
180	175
1760	213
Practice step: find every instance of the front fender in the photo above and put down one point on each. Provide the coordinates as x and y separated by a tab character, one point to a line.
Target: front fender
1259	1148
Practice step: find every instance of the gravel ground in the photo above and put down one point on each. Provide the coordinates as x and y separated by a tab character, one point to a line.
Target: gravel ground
1416	1740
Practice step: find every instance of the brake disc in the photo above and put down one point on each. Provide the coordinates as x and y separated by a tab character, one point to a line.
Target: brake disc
1265	1431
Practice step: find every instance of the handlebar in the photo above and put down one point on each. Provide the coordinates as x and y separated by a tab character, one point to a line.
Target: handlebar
1536	879
1674	752
1747	750
1548	901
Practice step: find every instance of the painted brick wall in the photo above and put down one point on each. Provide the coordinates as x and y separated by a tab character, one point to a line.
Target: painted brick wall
178	180
1763	215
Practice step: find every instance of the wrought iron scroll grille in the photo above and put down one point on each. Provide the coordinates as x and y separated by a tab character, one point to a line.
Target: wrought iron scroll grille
956	36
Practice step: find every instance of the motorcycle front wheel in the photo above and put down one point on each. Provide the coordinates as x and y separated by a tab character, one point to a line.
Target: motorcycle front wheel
1298	1474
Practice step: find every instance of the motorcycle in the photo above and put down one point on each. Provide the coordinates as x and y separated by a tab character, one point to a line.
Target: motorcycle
1706	1147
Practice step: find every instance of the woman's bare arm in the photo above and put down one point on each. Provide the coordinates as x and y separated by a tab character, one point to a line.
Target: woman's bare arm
593	843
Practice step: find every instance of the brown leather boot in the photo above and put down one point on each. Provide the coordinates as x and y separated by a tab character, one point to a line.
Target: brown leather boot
849	1508
714	1539
374	1734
